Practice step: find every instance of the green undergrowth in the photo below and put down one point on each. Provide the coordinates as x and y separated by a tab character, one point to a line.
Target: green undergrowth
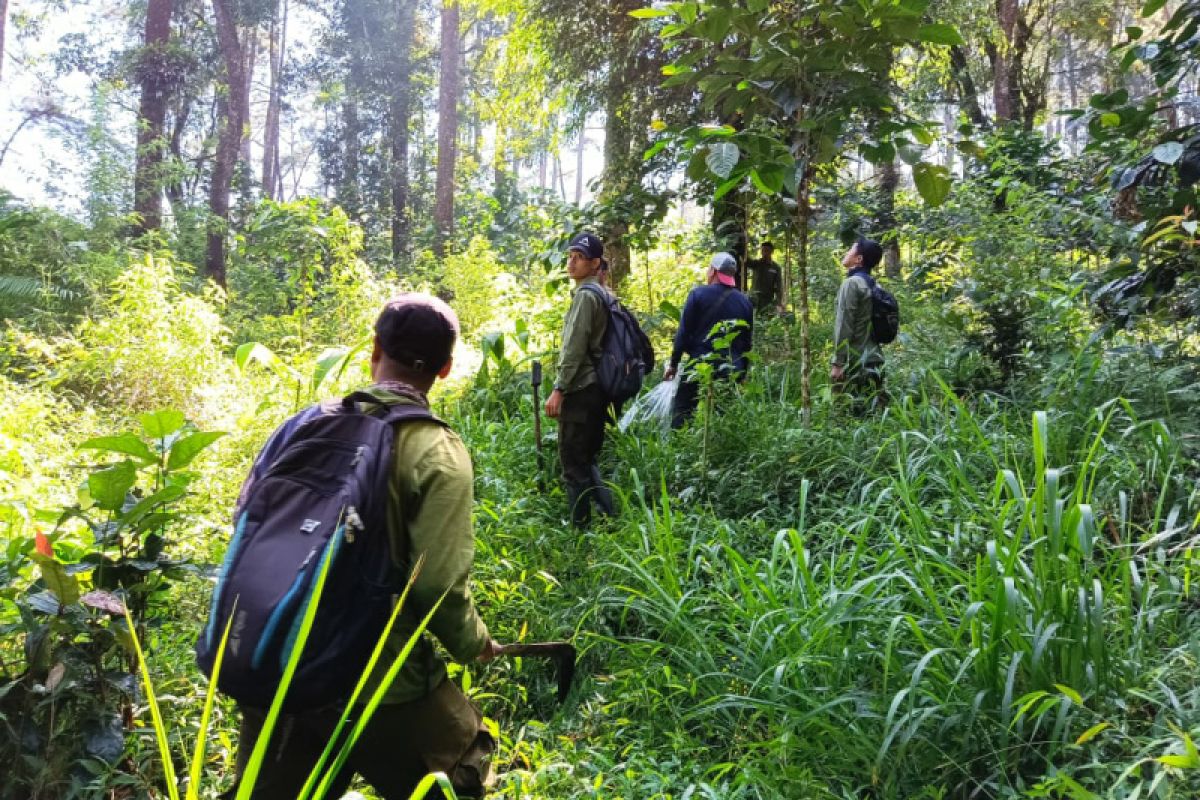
961	597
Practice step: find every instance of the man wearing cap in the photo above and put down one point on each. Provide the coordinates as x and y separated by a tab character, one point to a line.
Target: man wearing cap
717	301
578	401
857	367
425	723
766	281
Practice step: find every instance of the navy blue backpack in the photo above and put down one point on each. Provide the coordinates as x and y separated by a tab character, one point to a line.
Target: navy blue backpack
626	355
323	496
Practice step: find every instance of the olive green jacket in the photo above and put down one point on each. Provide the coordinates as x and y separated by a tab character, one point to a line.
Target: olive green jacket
583	329
429	507
853	347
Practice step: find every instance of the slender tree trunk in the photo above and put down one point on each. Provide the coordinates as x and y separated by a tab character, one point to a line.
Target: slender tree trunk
579	165
447	143
233	115
803	218
155	75
889	179
968	94
278	47
3	19
250	46
399	111
348	191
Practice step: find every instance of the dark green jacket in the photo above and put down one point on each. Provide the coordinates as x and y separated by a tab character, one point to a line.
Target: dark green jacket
583	330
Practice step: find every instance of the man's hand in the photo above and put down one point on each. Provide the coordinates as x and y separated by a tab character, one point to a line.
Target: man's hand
554	404
490	651
837	373
669	374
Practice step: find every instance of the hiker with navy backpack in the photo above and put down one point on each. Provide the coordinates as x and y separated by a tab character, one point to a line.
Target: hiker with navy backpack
718	300
578	401
372	484
866	318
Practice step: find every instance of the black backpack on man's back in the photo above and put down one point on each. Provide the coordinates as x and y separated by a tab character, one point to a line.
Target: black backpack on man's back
626	356
885	312
322	497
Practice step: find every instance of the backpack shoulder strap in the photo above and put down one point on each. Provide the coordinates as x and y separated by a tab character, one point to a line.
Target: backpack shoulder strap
394	412
600	292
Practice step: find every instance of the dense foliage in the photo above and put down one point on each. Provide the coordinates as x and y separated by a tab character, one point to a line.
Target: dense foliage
985	590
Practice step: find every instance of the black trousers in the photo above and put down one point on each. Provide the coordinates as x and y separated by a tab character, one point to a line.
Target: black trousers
401	744
581	423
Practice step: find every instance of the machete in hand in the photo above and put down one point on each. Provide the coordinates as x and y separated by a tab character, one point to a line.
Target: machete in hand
561	653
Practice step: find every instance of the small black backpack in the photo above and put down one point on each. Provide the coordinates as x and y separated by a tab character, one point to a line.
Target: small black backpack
626	356
885	313
323	496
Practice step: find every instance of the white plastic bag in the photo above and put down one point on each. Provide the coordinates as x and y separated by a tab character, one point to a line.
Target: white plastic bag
653	407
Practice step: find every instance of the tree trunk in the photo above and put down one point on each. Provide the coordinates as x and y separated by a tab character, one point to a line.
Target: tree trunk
233	112
447	144
579	165
399	111
3	19
968	94
155	76
889	179
278	47
250	48
348	192
803	218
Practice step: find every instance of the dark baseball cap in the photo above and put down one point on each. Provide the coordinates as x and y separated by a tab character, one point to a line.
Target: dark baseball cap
587	243
417	330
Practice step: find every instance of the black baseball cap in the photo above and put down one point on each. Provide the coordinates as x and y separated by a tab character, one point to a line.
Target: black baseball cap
587	243
417	330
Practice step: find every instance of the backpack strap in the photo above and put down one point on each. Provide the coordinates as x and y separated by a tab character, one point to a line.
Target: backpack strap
394	412
601	292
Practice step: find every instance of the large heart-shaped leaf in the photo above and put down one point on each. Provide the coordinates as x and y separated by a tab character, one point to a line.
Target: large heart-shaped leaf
722	158
933	182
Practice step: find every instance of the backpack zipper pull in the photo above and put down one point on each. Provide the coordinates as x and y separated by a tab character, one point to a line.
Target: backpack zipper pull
353	522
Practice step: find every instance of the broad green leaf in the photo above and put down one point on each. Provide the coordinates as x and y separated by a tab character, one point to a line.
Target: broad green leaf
1152	6
108	487
1092	732
1110	120
1168	152
933	182
722	158
727	187
939	33
54	574
161	424
187	448
125	443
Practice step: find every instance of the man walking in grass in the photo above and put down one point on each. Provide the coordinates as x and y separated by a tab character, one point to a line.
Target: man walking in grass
425	724
718	300
578	401
857	367
766	281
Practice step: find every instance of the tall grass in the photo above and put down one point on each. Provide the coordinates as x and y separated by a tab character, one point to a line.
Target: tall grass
957	598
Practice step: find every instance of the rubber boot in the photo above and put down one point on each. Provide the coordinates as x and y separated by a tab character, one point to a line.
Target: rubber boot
602	494
580	504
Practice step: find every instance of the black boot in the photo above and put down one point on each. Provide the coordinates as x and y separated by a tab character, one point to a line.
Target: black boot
602	494
580	504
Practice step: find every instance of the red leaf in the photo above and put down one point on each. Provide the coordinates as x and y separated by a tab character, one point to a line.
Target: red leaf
42	545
